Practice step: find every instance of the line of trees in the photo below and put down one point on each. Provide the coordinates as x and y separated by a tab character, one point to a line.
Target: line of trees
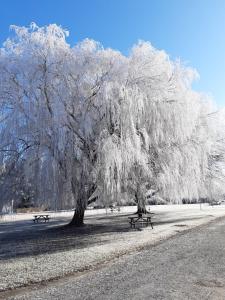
81	120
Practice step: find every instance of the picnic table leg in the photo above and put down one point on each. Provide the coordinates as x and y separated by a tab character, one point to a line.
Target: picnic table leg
150	221
132	225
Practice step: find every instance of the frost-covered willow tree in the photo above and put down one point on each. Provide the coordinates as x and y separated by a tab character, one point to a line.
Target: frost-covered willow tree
55	110
84	119
167	132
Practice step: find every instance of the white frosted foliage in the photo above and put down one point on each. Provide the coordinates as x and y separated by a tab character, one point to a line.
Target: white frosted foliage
79	119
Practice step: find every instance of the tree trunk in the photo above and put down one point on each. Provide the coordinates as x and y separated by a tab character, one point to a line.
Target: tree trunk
141	209
140	200
78	218
80	196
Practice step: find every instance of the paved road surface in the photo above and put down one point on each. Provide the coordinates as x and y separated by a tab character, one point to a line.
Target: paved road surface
188	266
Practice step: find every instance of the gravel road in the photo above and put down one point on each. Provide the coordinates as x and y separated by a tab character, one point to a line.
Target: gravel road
190	265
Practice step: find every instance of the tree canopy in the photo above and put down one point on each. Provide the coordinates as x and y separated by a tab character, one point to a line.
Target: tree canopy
81	119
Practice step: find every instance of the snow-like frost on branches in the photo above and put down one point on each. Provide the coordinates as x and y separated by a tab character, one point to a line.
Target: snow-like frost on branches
76	120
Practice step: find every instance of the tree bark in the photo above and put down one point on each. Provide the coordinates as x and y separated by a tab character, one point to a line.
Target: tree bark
141	209
139	199
78	217
79	193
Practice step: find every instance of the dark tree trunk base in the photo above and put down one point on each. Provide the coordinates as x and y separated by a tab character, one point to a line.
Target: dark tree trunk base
142	210
78	219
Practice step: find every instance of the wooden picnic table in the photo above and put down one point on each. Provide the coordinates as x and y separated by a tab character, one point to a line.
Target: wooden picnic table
113	208
42	217
143	219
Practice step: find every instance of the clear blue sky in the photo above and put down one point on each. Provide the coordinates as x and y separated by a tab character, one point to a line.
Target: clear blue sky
193	30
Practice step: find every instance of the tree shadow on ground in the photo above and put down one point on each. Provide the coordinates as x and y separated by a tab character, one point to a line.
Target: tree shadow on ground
22	239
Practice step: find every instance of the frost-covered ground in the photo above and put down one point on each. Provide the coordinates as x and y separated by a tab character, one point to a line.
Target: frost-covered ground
32	253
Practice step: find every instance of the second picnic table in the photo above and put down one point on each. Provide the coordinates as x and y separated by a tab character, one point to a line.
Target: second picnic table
143	219
42	217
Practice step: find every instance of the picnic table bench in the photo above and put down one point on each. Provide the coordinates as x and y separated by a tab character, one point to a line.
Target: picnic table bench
143	219
38	218
113	208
